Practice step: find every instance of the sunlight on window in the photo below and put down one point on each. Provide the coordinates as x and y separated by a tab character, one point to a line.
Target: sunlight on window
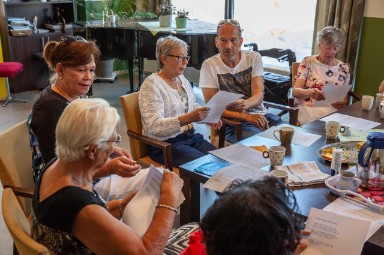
284	24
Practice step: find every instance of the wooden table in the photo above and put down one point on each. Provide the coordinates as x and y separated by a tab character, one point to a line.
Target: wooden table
316	196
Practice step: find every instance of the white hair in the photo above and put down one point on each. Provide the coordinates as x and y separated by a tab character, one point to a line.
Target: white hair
165	45
331	35
84	122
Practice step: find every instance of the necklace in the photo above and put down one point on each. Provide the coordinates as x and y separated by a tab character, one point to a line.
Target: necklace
173	82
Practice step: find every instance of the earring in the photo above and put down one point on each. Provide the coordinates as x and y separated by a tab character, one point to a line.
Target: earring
61	77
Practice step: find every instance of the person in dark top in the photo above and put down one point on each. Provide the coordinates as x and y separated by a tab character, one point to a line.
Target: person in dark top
251	217
73	60
68	215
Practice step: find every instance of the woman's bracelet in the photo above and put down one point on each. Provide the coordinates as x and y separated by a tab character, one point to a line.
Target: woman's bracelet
167	207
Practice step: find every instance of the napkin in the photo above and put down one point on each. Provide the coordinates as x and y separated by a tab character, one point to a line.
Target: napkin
304	173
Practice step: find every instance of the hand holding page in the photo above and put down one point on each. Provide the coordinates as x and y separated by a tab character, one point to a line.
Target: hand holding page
139	211
334	234
333	93
218	103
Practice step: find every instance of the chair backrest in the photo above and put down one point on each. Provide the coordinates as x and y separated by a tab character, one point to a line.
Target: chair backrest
16	161
18	226
295	67
130	106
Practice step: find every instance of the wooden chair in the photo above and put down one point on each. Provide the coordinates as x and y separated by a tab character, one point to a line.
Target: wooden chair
138	142
19	227
16	164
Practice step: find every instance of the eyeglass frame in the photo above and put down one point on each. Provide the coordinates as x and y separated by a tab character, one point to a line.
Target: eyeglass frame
180	58
116	141
72	38
233	22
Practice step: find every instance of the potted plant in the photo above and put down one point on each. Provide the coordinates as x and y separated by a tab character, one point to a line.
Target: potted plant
164	12
181	19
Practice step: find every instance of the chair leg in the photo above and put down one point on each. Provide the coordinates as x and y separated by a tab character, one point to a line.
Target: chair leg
9	97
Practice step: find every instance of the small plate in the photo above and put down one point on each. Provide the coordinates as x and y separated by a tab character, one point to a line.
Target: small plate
350	151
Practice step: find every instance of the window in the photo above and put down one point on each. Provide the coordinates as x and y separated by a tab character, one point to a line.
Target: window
282	24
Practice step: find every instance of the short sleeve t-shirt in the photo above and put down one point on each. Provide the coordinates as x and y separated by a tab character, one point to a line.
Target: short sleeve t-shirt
216	74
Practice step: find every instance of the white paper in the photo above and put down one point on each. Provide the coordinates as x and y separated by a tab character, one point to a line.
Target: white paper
354	210
352	122
222	178
218	103
308	113
238	153
334	234
333	94
357	135
299	137
139	212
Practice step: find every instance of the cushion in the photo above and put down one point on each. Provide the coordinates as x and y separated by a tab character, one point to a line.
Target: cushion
10	69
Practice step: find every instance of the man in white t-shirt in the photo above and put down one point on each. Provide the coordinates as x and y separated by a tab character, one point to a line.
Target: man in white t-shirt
237	71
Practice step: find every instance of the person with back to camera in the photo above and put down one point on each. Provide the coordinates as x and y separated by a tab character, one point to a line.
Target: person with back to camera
237	71
250	217
168	106
68	215
317	71
73	60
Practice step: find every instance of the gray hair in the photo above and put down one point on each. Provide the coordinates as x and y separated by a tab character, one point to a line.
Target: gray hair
331	35
165	45
84	122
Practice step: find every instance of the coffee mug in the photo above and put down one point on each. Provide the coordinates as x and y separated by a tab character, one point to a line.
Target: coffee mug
280	174
332	128
347	181
286	135
275	154
366	102
379	97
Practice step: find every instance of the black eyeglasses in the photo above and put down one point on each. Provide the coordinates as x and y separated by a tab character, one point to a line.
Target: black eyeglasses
180	58
228	21
72	38
115	141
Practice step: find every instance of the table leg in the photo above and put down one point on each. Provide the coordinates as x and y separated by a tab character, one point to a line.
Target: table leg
190	208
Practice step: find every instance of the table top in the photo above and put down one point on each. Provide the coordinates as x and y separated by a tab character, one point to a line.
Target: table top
352	110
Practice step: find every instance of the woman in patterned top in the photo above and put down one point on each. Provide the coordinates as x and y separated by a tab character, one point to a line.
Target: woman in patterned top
69	217
324	69
168	106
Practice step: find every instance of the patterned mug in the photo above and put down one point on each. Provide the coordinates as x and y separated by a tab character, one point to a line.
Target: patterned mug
275	154
285	135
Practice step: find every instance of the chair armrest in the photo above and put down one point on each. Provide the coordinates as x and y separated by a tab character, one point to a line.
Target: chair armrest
293	111
164	146
236	124
354	95
21	192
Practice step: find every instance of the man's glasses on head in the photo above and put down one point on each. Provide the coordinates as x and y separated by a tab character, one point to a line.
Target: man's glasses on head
72	38
228	21
180	58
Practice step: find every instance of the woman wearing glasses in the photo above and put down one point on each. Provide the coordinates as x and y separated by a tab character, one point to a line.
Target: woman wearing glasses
168	106
68	215
73	61
318	71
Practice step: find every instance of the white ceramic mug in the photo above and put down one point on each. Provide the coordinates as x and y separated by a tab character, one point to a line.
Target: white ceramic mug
285	135
346	131
280	174
332	128
366	102
347	181
275	154
379	97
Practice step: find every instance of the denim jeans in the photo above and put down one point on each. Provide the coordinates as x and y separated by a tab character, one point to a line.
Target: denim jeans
250	129
186	147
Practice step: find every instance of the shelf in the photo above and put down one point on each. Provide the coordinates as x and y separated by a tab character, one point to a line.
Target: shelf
37	3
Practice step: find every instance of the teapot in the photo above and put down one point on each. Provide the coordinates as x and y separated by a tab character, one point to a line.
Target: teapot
371	156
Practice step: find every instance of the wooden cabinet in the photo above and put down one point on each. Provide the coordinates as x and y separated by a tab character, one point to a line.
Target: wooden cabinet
21	48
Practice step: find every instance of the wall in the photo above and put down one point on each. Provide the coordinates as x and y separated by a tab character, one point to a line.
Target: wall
370	64
3	90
